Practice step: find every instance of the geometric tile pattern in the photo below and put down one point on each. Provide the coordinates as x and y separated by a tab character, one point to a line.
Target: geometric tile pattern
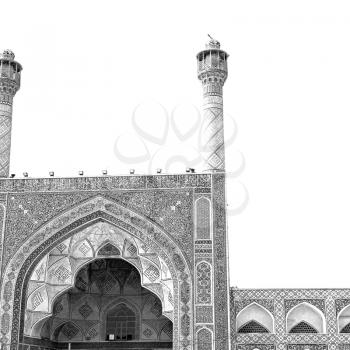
303	327
307	346
85	310
36	299
5	141
255	346
92	333
204	314
70	330
203	283
170	298
58	229
132	250
268	304
202	218
62	273
40	272
345	329
321	298
204	339
61	247
84	248
252	327
80	283
168	329
109	283
152	273
147	332
290	303
109	249
156	308
212	71
58	307
340	304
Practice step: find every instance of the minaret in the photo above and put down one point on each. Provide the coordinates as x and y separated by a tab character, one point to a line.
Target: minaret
10	81
212	71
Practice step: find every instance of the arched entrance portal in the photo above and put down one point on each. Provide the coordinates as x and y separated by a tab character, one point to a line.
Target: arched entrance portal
107	306
97	228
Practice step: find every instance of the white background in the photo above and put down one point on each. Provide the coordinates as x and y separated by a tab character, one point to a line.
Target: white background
88	64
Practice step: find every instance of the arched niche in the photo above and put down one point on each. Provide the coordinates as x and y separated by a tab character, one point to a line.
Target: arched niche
204	339
71	265
122	321
55	234
68	332
254	318
305	318
203	218
344	320
105	314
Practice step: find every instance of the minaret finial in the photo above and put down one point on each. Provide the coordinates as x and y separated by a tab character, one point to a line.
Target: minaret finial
7	55
213	43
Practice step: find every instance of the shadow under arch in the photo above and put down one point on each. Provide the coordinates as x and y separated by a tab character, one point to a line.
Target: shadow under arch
54	232
112	304
125	307
65	323
104	309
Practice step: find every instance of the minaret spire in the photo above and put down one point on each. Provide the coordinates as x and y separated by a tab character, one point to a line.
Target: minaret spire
10	82
212	71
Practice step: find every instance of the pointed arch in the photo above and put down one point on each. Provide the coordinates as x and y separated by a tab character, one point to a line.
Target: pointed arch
86	263
108	249
123	319
255	312
203	218
38	325
204	339
69	331
63	226
307	313
343	320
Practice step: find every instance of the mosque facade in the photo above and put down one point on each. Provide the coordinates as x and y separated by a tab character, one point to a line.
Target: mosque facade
141	261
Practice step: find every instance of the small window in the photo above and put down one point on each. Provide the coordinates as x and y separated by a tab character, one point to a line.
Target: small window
346	329
121	321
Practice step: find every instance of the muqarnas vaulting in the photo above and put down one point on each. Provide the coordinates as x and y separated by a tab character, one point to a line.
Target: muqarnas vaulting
141	261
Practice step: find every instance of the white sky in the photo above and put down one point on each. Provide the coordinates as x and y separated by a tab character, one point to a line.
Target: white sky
88	64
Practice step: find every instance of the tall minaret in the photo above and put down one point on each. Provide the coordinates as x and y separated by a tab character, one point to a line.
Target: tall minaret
10	82
212	71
